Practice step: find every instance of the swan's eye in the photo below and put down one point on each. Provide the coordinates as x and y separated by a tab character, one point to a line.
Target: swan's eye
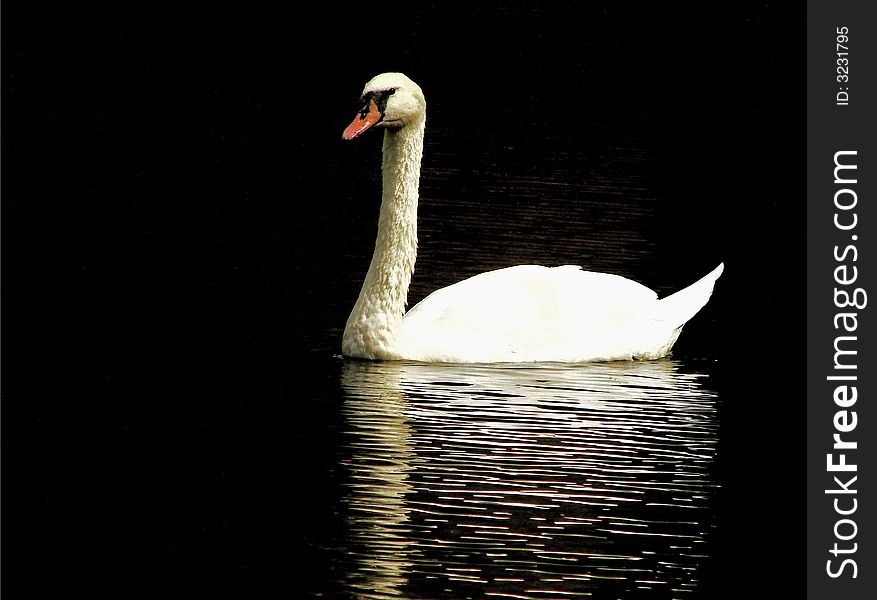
391	91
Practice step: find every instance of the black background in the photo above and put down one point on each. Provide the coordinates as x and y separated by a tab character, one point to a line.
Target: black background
169	175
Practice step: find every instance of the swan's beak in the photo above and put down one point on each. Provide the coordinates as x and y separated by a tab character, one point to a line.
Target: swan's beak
368	116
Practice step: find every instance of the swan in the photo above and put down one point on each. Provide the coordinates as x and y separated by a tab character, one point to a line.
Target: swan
526	313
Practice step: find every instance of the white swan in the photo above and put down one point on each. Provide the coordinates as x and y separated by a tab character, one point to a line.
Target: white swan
519	314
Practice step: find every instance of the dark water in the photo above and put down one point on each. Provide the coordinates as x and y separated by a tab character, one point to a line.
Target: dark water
527	481
185	233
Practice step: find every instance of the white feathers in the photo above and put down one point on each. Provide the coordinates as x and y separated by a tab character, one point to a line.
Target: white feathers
532	313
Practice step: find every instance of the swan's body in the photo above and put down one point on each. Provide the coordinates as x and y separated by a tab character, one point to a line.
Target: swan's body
519	314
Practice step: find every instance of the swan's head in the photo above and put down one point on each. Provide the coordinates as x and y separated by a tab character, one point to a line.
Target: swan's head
389	100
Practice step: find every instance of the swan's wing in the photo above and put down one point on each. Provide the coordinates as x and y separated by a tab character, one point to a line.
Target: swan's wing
526	312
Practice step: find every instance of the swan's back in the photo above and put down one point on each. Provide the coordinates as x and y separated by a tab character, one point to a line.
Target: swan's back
533	313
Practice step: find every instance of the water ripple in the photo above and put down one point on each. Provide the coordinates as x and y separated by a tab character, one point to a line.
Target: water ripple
527	481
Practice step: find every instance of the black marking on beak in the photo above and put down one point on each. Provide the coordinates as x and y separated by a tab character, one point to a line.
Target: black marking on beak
380	97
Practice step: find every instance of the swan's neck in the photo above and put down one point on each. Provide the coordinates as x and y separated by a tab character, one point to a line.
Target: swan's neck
373	324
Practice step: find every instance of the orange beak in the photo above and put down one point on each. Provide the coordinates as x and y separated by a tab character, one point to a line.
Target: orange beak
367	117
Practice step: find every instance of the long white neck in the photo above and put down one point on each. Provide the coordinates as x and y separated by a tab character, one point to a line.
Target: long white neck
374	322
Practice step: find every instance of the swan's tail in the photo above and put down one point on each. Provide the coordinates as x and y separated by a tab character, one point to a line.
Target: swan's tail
676	309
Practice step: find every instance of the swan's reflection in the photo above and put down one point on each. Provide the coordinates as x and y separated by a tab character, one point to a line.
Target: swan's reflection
527	481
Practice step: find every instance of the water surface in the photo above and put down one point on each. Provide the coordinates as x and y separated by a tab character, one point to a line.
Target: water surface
527	481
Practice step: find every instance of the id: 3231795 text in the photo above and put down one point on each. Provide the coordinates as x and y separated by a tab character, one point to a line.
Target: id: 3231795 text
843	66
